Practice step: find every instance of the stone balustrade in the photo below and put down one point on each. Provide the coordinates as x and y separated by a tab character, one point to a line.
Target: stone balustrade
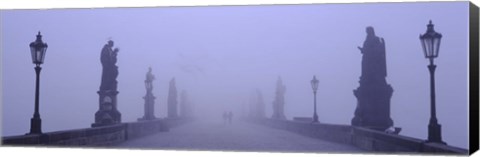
367	139
96	136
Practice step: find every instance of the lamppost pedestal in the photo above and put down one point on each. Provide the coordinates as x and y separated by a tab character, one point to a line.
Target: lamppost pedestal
35	125
315	118
435	133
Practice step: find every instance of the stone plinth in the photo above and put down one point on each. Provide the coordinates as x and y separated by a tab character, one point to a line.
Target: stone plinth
107	113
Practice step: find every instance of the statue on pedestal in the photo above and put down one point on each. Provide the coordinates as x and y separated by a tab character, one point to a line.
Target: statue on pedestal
373	95
149	98
107	113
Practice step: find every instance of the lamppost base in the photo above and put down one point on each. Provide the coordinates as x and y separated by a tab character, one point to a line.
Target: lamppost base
435	134
35	125
315	119
438	142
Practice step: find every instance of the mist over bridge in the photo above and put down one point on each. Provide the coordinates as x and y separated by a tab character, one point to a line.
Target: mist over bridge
179	130
125	127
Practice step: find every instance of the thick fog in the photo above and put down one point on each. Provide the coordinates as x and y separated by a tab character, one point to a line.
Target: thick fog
221	55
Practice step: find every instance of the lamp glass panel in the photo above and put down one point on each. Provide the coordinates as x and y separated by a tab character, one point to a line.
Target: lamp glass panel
437	46
33	53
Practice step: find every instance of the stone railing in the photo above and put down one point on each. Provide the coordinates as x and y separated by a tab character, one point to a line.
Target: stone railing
363	138
97	136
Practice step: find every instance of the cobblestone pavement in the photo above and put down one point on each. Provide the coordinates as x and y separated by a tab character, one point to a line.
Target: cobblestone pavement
238	136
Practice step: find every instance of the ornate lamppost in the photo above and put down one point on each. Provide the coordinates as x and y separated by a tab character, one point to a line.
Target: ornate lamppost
431	44
314	84
38	49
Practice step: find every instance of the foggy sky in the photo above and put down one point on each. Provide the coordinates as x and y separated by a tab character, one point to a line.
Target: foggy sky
219	55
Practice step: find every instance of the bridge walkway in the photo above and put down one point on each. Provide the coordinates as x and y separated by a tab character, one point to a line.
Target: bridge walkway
237	136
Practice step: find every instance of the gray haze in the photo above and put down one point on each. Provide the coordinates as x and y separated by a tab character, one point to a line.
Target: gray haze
220	55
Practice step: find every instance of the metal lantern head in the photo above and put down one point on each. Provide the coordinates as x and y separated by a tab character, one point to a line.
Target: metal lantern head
314	84
430	42
38	50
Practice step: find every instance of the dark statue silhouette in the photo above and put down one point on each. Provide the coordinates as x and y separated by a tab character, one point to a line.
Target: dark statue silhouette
373	95
110	70
149	98
107	113
149	79
374	67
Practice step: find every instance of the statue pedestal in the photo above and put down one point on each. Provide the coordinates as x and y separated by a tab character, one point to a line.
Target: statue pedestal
278	115
373	106
149	108
107	113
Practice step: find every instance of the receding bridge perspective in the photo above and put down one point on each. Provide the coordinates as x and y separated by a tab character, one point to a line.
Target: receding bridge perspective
371	128
235	136
281	78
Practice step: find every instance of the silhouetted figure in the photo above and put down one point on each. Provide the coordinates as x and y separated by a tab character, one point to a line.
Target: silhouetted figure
107	113
373	95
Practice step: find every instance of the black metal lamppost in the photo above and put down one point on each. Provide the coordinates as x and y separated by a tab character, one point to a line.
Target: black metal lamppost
314	84
431	44
38	50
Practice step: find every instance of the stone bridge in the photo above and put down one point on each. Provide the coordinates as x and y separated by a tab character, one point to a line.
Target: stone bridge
241	135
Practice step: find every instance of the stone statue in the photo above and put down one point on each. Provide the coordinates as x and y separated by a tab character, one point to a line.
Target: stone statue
373	59
373	95
149	98
110	70
149	79
107	113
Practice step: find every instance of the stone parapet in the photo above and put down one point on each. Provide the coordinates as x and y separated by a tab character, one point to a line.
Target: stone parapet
96	136
367	139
